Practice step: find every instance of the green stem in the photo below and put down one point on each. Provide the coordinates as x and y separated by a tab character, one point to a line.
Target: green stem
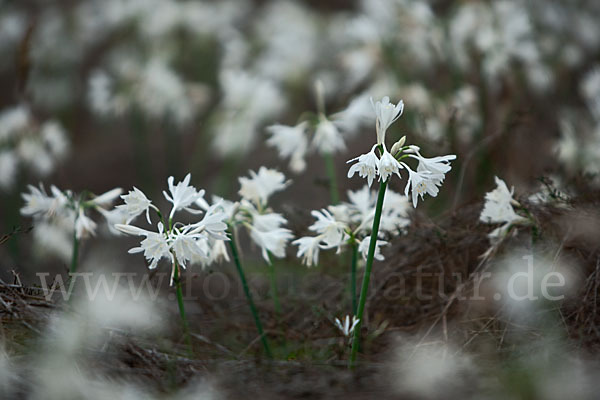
238	265
273	279
333	189
75	253
354	247
367	276
180	303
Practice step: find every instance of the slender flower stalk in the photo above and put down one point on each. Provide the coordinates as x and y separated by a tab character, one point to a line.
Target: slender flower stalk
333	186
75	254
354	250
238	265
273	279
367	276
181	305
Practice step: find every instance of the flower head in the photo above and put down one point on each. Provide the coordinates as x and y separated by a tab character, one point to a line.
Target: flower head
259	187
182	195
387	166
328	138
420	183
366	166
136	203
291	142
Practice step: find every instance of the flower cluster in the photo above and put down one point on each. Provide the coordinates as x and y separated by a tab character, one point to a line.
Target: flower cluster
62	215
182	244
23	141
498	209
350	223
430	172
328	133
252	212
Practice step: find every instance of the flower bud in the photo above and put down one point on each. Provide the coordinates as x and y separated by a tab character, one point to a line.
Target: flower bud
412	149
398	145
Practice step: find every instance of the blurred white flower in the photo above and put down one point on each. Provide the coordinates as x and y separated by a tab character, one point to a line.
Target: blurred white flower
346	327
291	142
328	138
308	249
260	186
331	231
363	248
498	209
271	241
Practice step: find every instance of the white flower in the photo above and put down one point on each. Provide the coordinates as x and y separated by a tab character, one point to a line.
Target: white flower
217	252
188	247
308	249
498	206
259	187
386	113
332	232
327	137
387	166
346	328
291	142
212	223
8	169
366	166
155	246
107	198
84	225
37	202
274	241
136	203
394	215
420	183
268	222
363	248
436	165
182	195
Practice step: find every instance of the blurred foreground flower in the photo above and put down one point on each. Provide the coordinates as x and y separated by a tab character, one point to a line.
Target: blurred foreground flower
62	216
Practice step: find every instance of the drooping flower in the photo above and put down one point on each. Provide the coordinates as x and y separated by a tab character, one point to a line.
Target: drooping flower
308	249
291	142
328	138
366	166
387	166
271	241
363	248
421	183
